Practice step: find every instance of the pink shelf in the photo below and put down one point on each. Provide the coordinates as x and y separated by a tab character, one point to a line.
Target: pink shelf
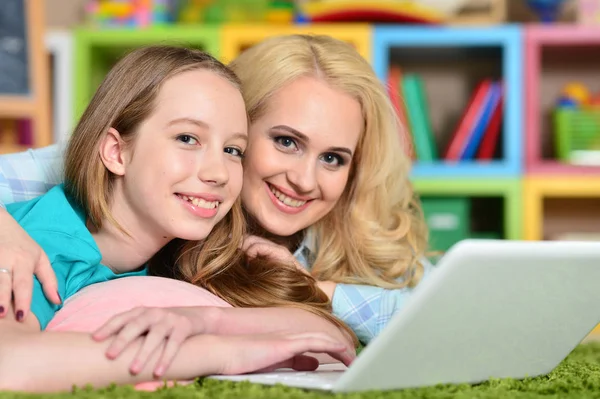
556	54
548	167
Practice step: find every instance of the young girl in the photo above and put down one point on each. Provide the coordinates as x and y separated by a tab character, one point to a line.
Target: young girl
325	177
156	157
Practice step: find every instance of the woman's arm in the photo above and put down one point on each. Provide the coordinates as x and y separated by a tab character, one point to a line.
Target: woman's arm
36	361
366	309
22	257
23	176
28	174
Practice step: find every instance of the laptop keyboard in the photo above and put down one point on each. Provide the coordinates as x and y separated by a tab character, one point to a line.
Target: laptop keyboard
322	378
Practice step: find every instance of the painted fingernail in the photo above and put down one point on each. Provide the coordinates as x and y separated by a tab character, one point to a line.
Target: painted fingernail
135	367
20	315
1	309
160	370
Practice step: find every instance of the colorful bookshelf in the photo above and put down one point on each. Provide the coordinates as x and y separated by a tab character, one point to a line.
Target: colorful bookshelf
453	60
97	50
554	56
235	38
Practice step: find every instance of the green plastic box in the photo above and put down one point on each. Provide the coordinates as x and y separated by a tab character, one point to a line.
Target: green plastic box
448	220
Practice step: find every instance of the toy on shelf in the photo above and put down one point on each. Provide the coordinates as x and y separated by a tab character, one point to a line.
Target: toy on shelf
395	11
547	10
235	11
577	125
129	13
480	13
588	12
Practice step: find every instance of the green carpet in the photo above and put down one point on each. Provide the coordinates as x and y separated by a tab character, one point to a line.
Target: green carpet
578	376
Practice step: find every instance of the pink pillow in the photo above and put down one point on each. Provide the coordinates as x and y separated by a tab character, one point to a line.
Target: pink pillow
94	305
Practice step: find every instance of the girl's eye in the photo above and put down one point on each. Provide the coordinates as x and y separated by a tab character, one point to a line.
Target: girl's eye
236	152
332	159
286	142
187	139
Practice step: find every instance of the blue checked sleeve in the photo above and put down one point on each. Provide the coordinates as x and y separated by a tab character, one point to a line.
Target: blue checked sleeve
28	174
367	309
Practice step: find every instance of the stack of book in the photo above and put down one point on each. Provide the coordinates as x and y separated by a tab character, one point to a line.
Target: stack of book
476	135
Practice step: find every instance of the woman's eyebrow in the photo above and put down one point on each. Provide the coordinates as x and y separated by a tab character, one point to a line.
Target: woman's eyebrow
305	138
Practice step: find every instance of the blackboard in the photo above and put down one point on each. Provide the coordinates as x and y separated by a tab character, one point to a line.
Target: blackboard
14	63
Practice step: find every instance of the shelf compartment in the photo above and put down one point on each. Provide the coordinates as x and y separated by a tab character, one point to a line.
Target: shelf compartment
446	57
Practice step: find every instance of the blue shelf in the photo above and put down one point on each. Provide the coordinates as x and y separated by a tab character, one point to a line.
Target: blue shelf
509	39
496	168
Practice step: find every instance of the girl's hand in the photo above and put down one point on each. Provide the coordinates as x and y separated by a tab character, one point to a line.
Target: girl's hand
20	258
163	328
264	353
258	246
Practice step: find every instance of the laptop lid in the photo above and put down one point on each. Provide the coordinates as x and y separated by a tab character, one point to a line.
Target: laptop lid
492	309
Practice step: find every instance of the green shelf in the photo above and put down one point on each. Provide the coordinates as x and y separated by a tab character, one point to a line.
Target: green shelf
96	50
509	189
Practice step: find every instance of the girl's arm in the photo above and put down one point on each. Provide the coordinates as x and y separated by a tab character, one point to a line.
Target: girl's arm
175	325
36	361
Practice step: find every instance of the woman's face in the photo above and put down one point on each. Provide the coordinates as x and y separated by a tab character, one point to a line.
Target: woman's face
299	155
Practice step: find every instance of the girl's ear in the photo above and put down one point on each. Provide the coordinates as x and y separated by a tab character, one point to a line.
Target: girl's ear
112	152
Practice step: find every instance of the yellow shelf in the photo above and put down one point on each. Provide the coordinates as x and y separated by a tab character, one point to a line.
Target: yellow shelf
535	189
11	148
236	37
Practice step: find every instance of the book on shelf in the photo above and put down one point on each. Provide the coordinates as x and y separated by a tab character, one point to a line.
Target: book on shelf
492	132
394	88
417	110
16	132
477	131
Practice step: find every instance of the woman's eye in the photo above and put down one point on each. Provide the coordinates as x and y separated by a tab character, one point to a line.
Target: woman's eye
286	142
236	152
187	139
332	159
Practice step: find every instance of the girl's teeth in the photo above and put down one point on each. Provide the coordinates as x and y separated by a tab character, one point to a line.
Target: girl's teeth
285	199
200	202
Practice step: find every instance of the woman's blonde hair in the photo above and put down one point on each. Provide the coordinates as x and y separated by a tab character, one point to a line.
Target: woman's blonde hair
126	97
376	233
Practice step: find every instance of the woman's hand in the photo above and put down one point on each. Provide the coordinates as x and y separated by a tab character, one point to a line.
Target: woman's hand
258	246
20	258
163	328
255	246
262	353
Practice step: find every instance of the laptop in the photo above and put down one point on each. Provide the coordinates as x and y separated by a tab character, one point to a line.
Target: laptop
490	309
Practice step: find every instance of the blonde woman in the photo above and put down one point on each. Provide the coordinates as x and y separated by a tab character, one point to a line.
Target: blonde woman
325	178
156	159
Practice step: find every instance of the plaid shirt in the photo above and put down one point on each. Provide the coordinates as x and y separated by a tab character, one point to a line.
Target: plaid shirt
365	309
29	174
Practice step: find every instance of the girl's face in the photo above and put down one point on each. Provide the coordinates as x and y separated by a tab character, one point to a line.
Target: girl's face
183	171
299	155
